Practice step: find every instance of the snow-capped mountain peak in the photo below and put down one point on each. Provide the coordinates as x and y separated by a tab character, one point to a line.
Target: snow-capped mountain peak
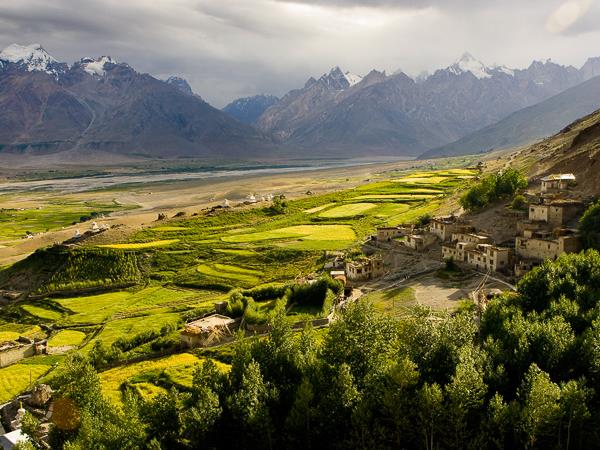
33	57
352	78
467	63
339	80
181	84
96	66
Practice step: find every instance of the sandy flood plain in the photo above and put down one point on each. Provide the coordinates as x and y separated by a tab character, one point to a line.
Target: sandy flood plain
189	196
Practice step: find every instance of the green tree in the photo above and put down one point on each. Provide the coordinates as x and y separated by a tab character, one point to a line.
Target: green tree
575	413
299	422
249	405
589	227
163	419
430	411
465	393
541	408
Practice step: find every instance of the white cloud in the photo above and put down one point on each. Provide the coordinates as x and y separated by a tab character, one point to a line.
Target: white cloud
233	48
566	15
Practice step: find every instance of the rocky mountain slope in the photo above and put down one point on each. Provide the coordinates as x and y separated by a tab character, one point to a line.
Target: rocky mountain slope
575	149
249	109
398	115
528	124
101	105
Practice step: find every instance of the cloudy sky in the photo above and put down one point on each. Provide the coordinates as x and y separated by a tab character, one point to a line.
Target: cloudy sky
232	48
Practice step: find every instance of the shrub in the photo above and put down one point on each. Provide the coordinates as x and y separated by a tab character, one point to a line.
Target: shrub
492	188
519	202
589	227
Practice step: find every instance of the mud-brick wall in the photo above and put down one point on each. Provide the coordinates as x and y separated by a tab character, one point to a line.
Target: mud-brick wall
16	354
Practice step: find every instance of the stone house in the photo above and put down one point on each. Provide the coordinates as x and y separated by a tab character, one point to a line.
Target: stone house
555	213
541	245
486	257
389	233
461	243
421	241
364	269
208	330
443	227
557	182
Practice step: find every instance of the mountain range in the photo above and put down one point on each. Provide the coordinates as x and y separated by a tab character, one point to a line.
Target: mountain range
398	115
99	105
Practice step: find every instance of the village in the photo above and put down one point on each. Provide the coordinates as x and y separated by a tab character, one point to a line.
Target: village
393	257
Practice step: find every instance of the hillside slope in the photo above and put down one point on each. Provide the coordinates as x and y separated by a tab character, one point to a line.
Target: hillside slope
575	149
528	124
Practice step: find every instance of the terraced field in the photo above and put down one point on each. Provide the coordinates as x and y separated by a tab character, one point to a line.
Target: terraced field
349	210
64	338
12	331
17	378
142	245
247	276
176	369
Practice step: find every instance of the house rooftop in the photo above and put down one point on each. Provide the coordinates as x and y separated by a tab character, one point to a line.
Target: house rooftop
207	323
559	176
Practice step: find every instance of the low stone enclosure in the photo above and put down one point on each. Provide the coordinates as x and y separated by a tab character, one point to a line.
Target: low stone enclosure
216	329
13	352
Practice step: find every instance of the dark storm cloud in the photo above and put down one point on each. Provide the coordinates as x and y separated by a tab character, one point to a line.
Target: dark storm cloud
231	48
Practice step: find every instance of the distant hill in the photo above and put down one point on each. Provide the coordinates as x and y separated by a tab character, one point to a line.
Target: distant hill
528	124
249	109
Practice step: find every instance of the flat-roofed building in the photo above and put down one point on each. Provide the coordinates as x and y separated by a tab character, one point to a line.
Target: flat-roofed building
557	182
486	257
364	268
421	241
555	213
208	330
541	245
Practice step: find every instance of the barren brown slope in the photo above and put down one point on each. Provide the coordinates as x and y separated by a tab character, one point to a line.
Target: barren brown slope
575	149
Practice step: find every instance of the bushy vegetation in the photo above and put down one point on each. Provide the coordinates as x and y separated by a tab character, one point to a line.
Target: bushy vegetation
527	377
259	305
493	187
589	226
73	268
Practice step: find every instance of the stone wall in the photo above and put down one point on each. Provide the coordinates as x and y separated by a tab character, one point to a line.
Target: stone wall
16	354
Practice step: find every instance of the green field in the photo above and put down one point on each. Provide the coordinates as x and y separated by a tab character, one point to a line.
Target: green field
247	276
141	245
169	273
394	302
12	331
18	377
49	215
96	309
63	338
129	327
305	232
42	313
349	210
176	369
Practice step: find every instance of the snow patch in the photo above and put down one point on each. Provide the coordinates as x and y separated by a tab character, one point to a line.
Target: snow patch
353	78
469	64
33	57
95	67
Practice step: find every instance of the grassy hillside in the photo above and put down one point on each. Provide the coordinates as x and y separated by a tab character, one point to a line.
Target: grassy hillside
529	124
60	268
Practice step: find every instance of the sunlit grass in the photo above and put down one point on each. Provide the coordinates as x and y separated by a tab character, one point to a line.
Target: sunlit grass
141	245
